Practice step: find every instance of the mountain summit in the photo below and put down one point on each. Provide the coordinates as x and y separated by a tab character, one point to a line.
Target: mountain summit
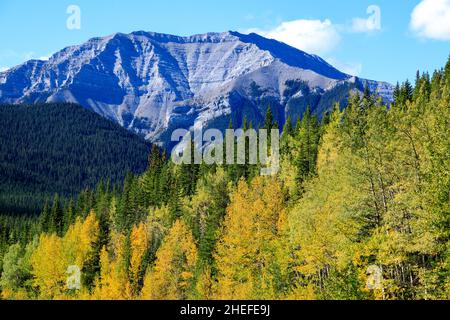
153	83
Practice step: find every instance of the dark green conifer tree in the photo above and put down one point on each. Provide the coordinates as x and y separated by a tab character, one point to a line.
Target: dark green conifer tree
56	216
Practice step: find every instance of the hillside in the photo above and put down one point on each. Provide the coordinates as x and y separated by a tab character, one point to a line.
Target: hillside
359	210
61	148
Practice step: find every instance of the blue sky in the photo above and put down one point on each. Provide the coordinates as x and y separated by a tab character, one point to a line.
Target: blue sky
410	35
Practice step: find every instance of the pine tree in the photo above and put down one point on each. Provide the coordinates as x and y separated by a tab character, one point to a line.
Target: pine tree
447	72
417	85
407	91
368	100
307	136
268	122
188	174
288	129
69	215
367	94
124	216
56	216
396	94
44	218
205	212
152	180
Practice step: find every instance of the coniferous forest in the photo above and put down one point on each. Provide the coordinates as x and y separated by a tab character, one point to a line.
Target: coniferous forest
61	148
363	188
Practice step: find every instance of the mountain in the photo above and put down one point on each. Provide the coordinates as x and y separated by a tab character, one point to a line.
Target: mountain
153	83
61	148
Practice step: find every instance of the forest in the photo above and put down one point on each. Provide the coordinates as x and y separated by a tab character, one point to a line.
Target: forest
61	148
367	187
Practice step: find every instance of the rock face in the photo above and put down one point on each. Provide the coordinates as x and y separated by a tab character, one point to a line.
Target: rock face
153	83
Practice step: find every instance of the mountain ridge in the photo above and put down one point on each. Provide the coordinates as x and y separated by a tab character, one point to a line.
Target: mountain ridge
153	83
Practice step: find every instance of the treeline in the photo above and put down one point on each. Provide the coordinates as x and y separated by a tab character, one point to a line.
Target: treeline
363	193
60	148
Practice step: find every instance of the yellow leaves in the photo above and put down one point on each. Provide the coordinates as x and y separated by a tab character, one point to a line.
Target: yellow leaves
302	293
113	211
113	283
380	196
254	211
158	222
79	240
328	152
175	262
199	206
323	223
288	174
250	240
323	232
186	275
205	285
139	240
49	266
54	255
7	294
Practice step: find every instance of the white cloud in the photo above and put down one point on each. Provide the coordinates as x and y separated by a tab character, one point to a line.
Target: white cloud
3	69
431	19
31	55
311	36
369	24
353	69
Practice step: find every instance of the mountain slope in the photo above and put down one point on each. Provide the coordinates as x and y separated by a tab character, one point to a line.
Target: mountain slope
152	83
61	148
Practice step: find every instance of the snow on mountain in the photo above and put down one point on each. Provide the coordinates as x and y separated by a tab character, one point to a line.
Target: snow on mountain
153	83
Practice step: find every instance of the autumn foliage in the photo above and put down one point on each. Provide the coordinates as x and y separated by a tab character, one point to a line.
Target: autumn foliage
362	191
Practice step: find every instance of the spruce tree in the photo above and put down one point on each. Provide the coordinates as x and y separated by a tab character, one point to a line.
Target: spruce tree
288	129
396	94
44	218
56	216
407	91
447	72
268	122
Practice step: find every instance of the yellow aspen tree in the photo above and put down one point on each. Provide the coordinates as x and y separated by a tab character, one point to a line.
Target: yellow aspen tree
139	241
49	267
113	283
54	256
79	239
247	252
322	224
172	275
